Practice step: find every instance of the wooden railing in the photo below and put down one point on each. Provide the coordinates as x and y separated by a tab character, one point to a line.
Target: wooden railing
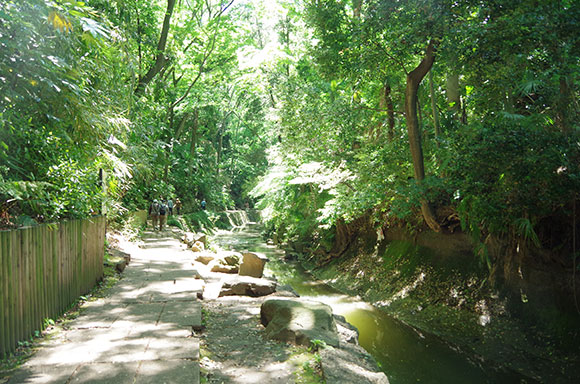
43	270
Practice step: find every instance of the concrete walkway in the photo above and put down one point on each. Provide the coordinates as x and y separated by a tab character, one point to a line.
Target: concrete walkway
141	333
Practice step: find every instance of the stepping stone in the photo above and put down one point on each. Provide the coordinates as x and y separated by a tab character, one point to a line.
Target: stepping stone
99	314
139	313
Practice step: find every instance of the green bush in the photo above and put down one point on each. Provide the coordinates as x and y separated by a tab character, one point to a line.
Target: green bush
510	174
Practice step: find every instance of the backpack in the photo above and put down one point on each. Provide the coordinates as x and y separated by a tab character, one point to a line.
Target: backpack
162	209
154	209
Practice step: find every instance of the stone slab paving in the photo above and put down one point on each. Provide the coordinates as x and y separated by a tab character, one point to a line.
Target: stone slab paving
142	333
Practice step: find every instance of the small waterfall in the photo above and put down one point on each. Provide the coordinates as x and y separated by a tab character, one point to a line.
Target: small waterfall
237	218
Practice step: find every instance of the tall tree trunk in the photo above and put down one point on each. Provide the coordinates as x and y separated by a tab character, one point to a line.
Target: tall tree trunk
422	135
414	78
160	58
434	108
219	151
453	95
168	133
563	106
386	102
140	58
194	127
181	126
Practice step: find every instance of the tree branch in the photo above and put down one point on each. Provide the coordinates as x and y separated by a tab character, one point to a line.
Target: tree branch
417	74
205	56
393	58
160	60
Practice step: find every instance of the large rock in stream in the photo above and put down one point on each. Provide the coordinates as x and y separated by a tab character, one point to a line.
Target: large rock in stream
343	361
247	286
299	322
252	264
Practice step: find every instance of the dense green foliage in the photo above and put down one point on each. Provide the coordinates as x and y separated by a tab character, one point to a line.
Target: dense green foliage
97	113
499	130
336	118
171	98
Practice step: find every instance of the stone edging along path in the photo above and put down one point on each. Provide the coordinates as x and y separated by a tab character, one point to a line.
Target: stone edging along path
148	330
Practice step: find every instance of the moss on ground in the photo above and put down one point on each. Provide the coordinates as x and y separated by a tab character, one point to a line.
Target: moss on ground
308	369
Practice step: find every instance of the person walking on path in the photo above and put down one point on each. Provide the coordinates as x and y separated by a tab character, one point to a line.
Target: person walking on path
162	215
203	204
178	206
170	206
154	213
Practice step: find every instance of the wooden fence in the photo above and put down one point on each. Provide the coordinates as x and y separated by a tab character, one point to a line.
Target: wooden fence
43	270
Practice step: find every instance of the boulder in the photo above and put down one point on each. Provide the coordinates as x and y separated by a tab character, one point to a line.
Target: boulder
117	253
216	266
346	331
247	286
205	257
230	257
299	322
253	264
226	262
120	265
198	246
189	238
202	239
350	364
286	291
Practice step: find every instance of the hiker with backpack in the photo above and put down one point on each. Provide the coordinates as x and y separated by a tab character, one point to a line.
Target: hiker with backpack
154	213
162	214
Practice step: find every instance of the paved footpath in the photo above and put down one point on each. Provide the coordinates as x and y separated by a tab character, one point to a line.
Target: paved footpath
141	333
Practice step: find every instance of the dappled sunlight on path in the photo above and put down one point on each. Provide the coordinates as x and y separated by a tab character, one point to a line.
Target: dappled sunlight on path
141	333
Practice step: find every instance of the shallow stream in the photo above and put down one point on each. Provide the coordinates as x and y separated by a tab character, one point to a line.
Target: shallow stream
403	353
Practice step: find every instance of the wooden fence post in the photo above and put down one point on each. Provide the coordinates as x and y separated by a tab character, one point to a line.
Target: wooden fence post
43	270
4	347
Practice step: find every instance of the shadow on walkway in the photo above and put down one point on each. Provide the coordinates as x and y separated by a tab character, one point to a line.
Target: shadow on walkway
141	333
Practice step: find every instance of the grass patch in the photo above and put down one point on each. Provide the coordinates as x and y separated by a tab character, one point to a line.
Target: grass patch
200	221
308	367
177	221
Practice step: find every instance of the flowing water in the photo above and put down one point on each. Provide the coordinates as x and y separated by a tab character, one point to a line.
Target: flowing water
403	353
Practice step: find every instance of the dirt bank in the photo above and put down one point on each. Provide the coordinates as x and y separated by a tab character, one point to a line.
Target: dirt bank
440	288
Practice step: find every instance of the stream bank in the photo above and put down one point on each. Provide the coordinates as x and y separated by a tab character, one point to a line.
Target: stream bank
435	285
238	345
405	354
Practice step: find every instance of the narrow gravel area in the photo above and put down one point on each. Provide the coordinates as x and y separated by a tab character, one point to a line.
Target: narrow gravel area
234	349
